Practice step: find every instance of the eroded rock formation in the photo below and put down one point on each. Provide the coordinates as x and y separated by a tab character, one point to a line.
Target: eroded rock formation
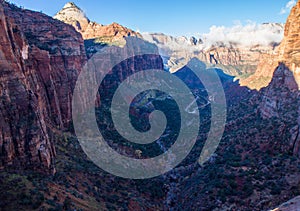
40	59
288	52
281	98
73	15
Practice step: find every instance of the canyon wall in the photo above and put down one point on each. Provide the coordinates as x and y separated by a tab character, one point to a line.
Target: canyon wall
288	52
40	59
281	98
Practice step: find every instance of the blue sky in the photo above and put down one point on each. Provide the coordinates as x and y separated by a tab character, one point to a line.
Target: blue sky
175	17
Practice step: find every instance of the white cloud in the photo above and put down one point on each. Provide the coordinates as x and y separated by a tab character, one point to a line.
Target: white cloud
243	35
288	7
250	34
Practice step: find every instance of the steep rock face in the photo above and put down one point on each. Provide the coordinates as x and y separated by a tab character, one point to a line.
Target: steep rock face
264	72
56	52
24	140
281	97
288	52
73	15
40	59
280	92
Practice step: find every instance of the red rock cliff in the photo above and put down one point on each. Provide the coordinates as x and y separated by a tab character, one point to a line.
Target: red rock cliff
281	98
40	59
288	52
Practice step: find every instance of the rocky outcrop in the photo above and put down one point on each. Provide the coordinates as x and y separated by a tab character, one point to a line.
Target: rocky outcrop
40	59
73	15
282	91
291	205
288	52
264	71
281	97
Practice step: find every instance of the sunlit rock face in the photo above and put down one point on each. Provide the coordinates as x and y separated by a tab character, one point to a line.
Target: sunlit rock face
288	52
290	46
73	15
281	98
279	92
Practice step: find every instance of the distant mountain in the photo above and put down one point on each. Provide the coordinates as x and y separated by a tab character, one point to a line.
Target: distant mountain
232	54
237	53
73	15
42	166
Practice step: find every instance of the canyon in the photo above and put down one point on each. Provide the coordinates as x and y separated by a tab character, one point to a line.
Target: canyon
256	166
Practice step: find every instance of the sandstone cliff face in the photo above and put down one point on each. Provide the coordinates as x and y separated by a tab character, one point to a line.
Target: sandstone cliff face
281	97
73	15
288	52
40	59
264	71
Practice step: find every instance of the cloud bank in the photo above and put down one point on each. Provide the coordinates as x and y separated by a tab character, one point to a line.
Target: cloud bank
250	34
238	35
